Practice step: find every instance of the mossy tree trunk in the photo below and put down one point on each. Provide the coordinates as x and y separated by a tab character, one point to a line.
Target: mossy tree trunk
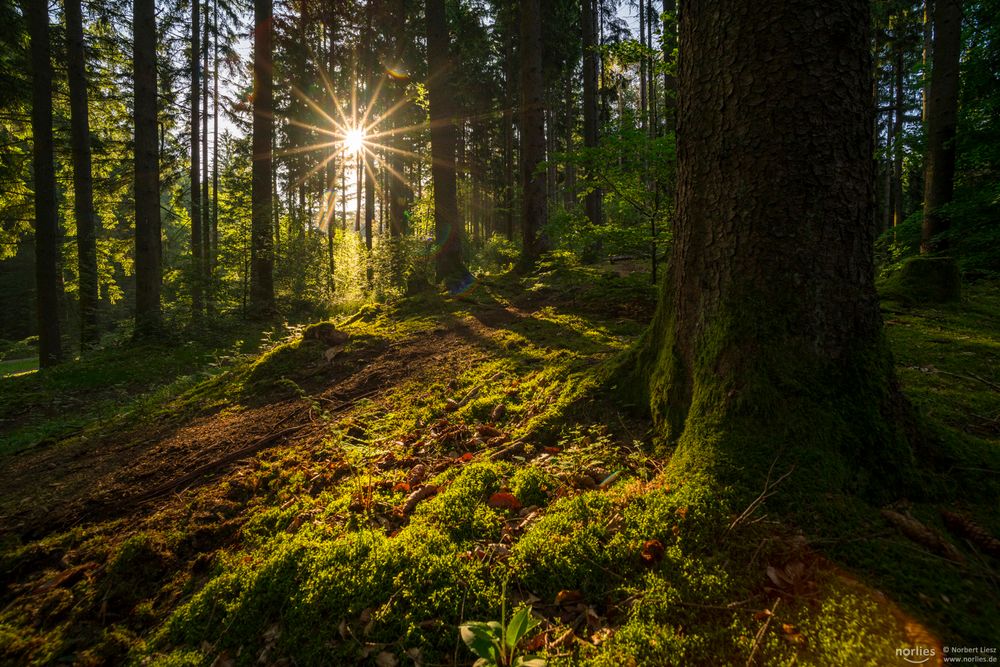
767	349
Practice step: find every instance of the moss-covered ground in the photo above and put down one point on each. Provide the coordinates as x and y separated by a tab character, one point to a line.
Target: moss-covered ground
335	503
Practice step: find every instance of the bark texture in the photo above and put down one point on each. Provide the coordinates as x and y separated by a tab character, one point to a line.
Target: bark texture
447	226
942	119
261	236
197	303
148	271
590	121
768	344
83	180
533	204
47	283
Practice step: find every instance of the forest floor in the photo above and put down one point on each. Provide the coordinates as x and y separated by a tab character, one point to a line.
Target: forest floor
353	502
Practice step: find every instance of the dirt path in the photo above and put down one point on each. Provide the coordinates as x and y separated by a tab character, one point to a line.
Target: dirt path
87	479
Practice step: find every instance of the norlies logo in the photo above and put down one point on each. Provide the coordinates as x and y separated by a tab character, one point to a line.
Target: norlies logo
917	655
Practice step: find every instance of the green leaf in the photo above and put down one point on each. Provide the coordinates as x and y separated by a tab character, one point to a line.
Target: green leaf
480	640
520	624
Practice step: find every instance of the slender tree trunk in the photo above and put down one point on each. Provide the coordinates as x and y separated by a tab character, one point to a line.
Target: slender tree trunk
533	205
448	230
148	274
926	56
46	213
206	202
898	211
83	181
215	137
359	191
669	82
197	304
262	242
942	114
642	66
767	351
510	90
590	124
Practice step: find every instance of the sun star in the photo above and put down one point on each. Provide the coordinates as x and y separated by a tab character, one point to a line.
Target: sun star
354	141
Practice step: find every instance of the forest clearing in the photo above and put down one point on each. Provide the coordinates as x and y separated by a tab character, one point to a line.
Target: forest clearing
504	333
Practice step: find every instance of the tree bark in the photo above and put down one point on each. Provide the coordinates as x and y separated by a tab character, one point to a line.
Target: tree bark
197	303
262	241
767	349
148	272
46	213
83	179
942	114
448	230
590	124
533	204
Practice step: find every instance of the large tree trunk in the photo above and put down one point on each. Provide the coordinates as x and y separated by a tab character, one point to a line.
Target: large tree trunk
83	180
590	124
767	348
942	118
46	214
448	230
147	173
261	239
197	304
533	204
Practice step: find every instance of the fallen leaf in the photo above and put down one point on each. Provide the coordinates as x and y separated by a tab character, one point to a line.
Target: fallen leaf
682	512
763	614
451	405
401	486
498	412
652	552
552	450
503	500
566	597
466	457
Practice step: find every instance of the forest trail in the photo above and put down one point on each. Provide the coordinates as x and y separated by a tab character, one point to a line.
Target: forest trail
139	470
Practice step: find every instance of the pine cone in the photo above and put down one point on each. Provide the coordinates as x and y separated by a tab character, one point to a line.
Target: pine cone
965	527
921	534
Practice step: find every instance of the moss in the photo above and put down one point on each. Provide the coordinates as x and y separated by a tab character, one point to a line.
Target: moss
923	280
460	511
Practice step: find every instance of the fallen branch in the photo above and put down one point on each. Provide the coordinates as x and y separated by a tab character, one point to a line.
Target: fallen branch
764	495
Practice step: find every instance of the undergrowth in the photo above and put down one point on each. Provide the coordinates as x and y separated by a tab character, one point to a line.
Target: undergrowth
531	488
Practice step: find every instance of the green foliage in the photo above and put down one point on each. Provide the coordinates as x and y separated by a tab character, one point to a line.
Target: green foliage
496	643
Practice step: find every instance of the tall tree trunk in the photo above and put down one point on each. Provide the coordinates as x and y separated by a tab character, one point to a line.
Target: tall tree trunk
262	242
510	91
590	124
214	258
369	161
767	351
926	57
46	213
148	272
206	202
897	140
669	81
533	204
642	66
448	231
83	180
942	114
197	250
